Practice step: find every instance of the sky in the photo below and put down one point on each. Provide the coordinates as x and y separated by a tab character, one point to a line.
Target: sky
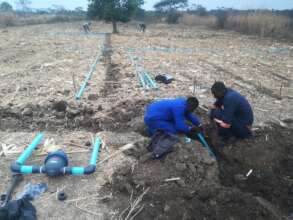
209	4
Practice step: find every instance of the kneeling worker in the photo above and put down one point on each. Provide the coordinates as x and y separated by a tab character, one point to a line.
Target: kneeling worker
231	112
170	115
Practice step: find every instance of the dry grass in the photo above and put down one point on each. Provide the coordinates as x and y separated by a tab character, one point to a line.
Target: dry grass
262	24
7	19
193	20
12	19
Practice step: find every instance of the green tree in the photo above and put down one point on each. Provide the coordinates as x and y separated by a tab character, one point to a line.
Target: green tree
23	4
113	10
5	7
170	8
170	5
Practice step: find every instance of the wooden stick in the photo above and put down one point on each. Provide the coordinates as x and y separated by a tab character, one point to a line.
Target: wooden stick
281	87
70	152
88	211
135	204
75	145
122	149
82	198
73	82
173	179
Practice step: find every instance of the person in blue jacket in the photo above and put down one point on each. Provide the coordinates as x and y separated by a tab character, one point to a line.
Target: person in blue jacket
231	112
171	115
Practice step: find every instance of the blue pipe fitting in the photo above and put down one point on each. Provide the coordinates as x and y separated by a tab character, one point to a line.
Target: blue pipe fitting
56	163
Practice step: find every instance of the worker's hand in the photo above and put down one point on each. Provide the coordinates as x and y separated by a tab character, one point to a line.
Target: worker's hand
221	123
212	107
196	129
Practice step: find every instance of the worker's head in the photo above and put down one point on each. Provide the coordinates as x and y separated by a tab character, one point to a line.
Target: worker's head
219	90
192	104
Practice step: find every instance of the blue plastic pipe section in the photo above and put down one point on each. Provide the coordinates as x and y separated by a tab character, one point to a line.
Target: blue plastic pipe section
90	73
205	144
95	153
87	78
145	80
92	166
28	151
149	81
18	166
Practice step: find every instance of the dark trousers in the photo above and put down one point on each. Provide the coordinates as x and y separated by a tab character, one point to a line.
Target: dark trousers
154	125
238	129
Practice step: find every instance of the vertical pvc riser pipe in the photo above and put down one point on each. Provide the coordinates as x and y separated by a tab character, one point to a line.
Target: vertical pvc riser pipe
95	154
93	160
28	151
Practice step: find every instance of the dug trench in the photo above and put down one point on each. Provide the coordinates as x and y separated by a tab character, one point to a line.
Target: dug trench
202	188
90	115
59	114
188	184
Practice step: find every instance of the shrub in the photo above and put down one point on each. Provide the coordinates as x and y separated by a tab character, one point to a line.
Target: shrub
192	20
7	19
263	24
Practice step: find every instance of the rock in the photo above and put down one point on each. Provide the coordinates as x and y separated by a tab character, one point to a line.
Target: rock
207	159
192	168
181	183
71	113
180	166
100	108
88	143
88	110
60	115
93	97
60	106
204	194
27	112
66	92
239	178
166	208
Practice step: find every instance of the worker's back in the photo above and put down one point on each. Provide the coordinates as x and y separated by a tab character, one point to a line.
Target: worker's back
165	109
237	103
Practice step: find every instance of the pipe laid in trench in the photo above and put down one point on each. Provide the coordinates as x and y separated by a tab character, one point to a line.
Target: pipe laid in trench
87	78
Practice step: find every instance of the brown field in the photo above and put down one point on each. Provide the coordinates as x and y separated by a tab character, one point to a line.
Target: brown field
42	65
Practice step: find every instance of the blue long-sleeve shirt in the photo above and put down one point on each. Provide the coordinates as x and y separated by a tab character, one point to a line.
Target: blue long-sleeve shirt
235	107
173	110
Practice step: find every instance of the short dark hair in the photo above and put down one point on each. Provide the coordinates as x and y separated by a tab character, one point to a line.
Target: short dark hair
192	102
219	89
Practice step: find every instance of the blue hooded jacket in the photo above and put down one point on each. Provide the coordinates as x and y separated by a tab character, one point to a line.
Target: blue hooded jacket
172	110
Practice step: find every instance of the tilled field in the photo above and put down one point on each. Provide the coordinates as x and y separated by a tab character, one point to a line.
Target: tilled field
42	68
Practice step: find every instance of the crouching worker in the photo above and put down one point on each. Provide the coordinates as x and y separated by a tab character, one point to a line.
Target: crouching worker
231	112
171	115
167	118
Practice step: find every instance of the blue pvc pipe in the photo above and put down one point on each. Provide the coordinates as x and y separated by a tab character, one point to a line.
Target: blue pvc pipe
205	144
150	81
77	170
95	153
87	78
141	80
28	151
